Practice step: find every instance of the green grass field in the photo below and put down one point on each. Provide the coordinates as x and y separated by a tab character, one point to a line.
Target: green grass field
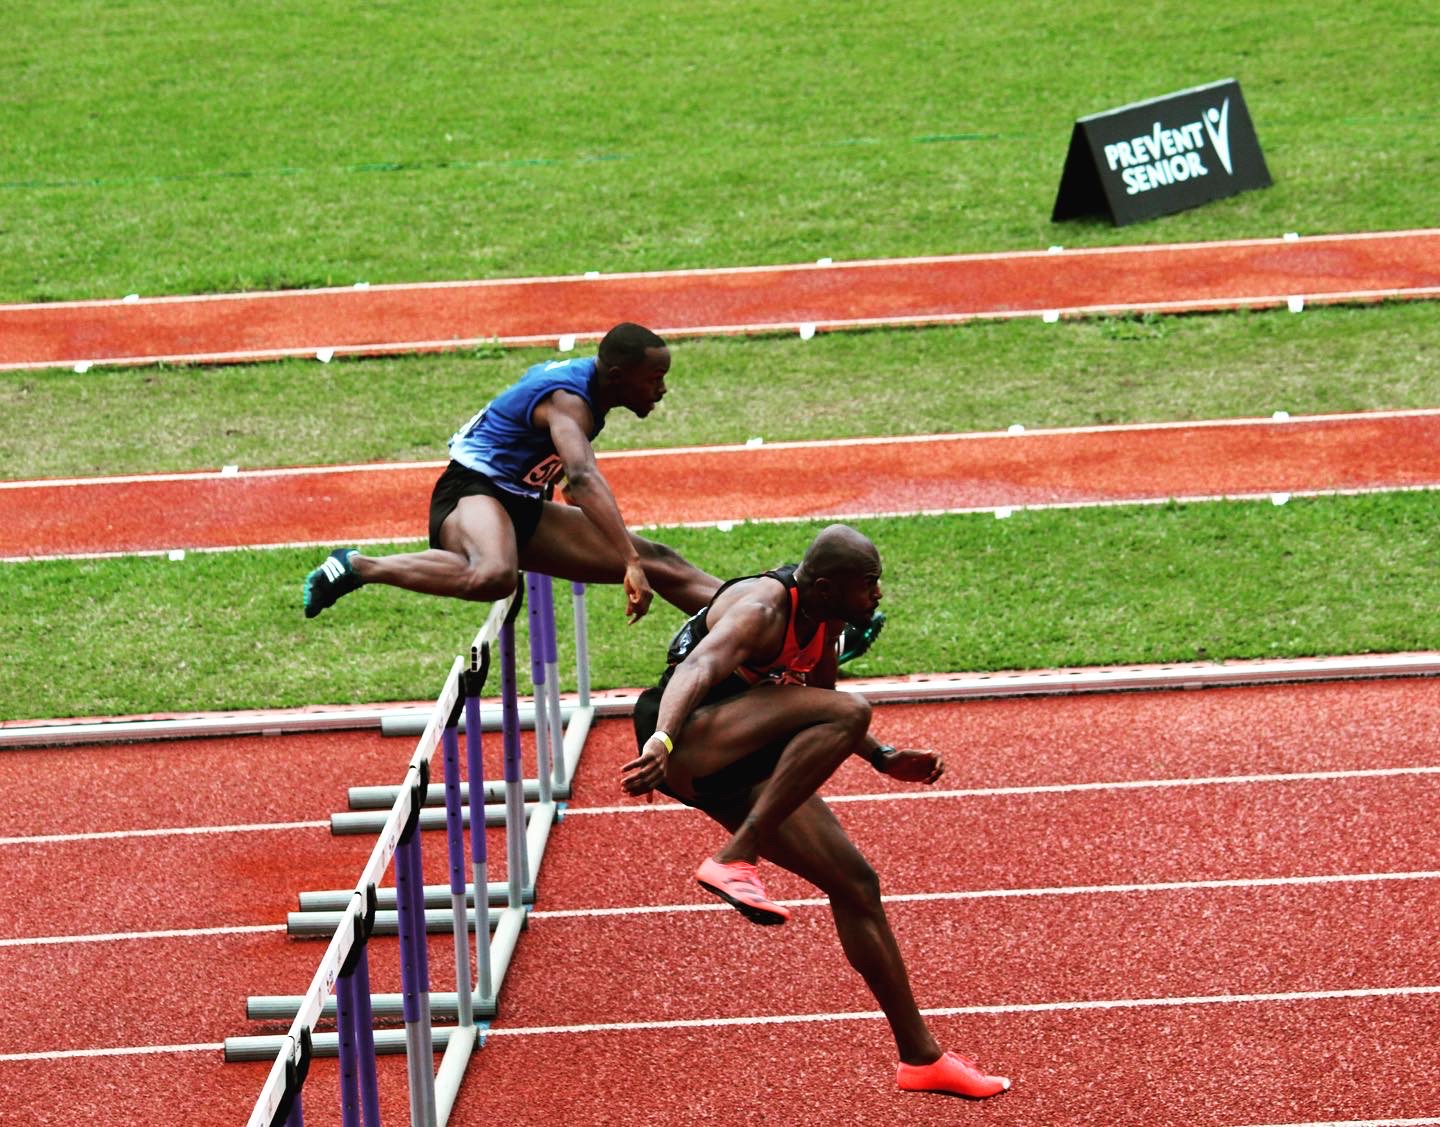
179	147
193	147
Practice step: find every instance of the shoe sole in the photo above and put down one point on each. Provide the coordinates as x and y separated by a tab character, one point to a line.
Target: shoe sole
749	911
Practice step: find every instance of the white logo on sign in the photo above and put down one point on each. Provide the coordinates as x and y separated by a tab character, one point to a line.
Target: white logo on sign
1217	125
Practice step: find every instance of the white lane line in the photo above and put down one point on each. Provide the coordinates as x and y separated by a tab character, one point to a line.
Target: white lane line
800	1019
116	1051
813	517
1356	1123
1053	788
167	831
121	936
1258	423
1014	893
722	271
969	1011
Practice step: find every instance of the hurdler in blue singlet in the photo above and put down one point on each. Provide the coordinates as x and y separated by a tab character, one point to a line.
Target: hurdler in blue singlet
503	443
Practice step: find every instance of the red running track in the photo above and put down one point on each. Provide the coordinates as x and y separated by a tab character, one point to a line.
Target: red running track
936	290
778	481
1265	1001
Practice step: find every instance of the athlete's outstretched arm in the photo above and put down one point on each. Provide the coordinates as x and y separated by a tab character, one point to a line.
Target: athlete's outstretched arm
568	419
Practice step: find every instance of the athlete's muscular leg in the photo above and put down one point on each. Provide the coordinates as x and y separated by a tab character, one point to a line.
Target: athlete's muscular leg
823	728
567	546
812	844
476	560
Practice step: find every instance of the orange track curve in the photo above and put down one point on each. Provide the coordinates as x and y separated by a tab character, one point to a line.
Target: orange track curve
932	290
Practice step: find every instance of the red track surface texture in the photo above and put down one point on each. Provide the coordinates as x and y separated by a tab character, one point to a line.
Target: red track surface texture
383	319
1050	909
776	482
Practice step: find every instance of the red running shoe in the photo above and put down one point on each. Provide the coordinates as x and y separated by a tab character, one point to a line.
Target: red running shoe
738	884
952	1074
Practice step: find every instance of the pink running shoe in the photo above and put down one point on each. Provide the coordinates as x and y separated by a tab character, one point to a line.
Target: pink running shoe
738	884
952	1074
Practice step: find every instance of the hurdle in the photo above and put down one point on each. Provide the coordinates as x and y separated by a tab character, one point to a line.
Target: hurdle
340	989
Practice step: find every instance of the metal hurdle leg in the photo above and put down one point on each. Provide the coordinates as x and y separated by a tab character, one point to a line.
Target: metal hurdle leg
582	644
536	591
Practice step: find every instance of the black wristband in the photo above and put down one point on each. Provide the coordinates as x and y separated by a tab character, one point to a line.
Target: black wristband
879	754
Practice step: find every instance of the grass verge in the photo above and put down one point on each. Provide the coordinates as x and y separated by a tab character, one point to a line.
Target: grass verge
1041	589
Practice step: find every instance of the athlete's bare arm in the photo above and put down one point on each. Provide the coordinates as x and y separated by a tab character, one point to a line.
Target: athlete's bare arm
568	419
751	626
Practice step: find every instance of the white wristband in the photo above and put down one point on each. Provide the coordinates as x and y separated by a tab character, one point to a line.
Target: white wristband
664	738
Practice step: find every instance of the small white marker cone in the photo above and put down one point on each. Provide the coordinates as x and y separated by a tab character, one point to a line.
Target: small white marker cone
1280	416
755	441
229	471
1056	249
725	525
1003	513
130	298
362	285
1050	316
807	331
1292	236
1279	498
177	554
826	261
325	355
82	367
567	343
592	273
1296	304
1016	428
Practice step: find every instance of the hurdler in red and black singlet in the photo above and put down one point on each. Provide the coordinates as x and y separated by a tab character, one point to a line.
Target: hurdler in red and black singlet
788	667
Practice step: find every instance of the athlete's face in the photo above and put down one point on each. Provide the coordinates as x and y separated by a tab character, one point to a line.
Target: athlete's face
858	595
642	385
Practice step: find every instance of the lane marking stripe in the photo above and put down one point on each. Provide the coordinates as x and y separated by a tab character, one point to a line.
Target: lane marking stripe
1054	788
725	271
898	796
969	1011
167	831
1259	423
118	936
800	1019
1047	506
813	902
1015	893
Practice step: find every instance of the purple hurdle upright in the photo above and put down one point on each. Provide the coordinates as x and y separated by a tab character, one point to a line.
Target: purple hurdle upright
548	701
537	588
479	850
517	861
415	958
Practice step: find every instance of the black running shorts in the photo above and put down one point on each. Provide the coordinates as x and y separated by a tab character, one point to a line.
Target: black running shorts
461	481
729	785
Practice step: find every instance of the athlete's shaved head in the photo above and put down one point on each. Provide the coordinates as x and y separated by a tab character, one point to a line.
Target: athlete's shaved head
626	344
840	551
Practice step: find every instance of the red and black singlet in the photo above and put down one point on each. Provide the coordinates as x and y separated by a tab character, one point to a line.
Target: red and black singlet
790	663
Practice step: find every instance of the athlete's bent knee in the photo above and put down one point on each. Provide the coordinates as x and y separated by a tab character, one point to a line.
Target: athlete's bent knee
486	585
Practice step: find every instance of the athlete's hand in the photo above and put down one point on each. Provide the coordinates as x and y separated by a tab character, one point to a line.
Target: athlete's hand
638	594
913	766
642	775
